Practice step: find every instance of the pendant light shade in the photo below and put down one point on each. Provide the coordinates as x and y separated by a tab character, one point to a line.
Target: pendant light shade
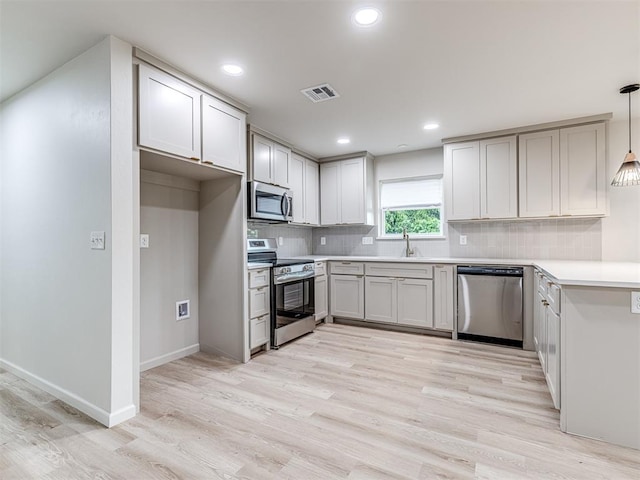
629	172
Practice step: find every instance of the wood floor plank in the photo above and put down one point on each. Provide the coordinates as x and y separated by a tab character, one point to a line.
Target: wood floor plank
342	403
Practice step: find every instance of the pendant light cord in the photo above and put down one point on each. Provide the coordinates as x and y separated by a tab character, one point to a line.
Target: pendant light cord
629	122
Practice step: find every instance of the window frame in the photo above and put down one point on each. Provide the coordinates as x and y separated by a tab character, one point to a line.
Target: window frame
422	236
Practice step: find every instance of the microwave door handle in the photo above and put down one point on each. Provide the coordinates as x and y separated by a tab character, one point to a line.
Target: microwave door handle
284	205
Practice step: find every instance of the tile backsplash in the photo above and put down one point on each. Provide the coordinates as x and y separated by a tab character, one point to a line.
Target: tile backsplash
566	239
570	239
296	241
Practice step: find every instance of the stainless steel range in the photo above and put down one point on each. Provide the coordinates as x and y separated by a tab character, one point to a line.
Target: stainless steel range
292	291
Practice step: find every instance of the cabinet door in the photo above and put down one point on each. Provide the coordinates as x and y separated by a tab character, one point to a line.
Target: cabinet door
539	174
168	114
499	178
347	296
352	201
329	193
582	170
224	131
262	158
321	297
462	180
443	306
381	295
553	355
259	302
281	159
415	302
311	192
296	177
541	318
258	331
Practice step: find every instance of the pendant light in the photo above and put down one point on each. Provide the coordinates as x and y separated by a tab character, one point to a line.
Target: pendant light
629	171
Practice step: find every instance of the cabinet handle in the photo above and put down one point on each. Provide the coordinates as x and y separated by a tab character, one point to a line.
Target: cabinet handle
260	289
195	159
207	162
545	303
345	263
549	284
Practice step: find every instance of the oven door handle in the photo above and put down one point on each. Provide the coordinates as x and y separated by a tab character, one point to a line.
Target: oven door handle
294	277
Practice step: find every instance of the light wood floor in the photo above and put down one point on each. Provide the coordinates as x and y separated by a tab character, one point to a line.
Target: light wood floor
343	402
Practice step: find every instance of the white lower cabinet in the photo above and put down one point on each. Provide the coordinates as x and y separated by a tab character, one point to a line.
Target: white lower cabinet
259	307
321	293
546	332
415	302
347	296
381	298
443	300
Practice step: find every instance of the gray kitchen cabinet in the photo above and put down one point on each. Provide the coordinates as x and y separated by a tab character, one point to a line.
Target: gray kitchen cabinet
168	114
224	135
415	302
462	180
311	192
346	192
443	297
297	186
381	299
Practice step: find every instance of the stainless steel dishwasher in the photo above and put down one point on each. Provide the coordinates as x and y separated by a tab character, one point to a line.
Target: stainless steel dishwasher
490	304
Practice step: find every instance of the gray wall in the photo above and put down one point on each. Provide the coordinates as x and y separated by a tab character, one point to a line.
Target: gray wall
296	241
169	267
67	315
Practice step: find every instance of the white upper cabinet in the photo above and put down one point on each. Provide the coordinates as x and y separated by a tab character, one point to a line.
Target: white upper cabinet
562	172
346	192
296	183
303	182
329	188
168	114
583	182
462	177
281	158
539	156
311	192
499	178
224	135
482	179
269	161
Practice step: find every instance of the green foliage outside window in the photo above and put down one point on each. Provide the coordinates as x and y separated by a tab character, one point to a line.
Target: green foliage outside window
419	220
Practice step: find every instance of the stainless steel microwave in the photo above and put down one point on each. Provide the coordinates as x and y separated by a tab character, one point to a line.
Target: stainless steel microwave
269	202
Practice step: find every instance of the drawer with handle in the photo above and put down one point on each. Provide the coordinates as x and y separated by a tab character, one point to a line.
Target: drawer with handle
346	268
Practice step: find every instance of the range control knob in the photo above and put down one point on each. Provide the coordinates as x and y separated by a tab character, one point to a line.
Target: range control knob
286	269
307	268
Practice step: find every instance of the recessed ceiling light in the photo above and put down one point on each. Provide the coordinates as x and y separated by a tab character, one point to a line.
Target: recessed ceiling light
232	69
343	141
403	145
431	126
365	17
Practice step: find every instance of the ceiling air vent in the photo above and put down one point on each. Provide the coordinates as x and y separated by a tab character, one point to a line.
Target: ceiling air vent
320	93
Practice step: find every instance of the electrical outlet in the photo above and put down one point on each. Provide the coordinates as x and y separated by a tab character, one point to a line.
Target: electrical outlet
635	302
144	240
323	240
367	240
463	239
96	241
183	310
280	241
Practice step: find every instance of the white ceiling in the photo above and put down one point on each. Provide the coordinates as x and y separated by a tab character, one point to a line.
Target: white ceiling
471	66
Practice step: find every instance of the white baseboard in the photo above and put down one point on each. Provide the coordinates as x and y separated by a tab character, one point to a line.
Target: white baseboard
95	412
169	357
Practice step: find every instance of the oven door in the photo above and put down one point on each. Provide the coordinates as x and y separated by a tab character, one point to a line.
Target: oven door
294	310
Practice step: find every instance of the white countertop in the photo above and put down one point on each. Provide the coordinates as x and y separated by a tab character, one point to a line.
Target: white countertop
564	272
257	265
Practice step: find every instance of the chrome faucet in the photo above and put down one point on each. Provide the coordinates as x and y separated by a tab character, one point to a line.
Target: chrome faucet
405	236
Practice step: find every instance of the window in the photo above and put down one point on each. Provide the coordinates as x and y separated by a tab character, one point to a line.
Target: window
414	204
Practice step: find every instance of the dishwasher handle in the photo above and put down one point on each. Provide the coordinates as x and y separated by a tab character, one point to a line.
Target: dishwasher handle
496	271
